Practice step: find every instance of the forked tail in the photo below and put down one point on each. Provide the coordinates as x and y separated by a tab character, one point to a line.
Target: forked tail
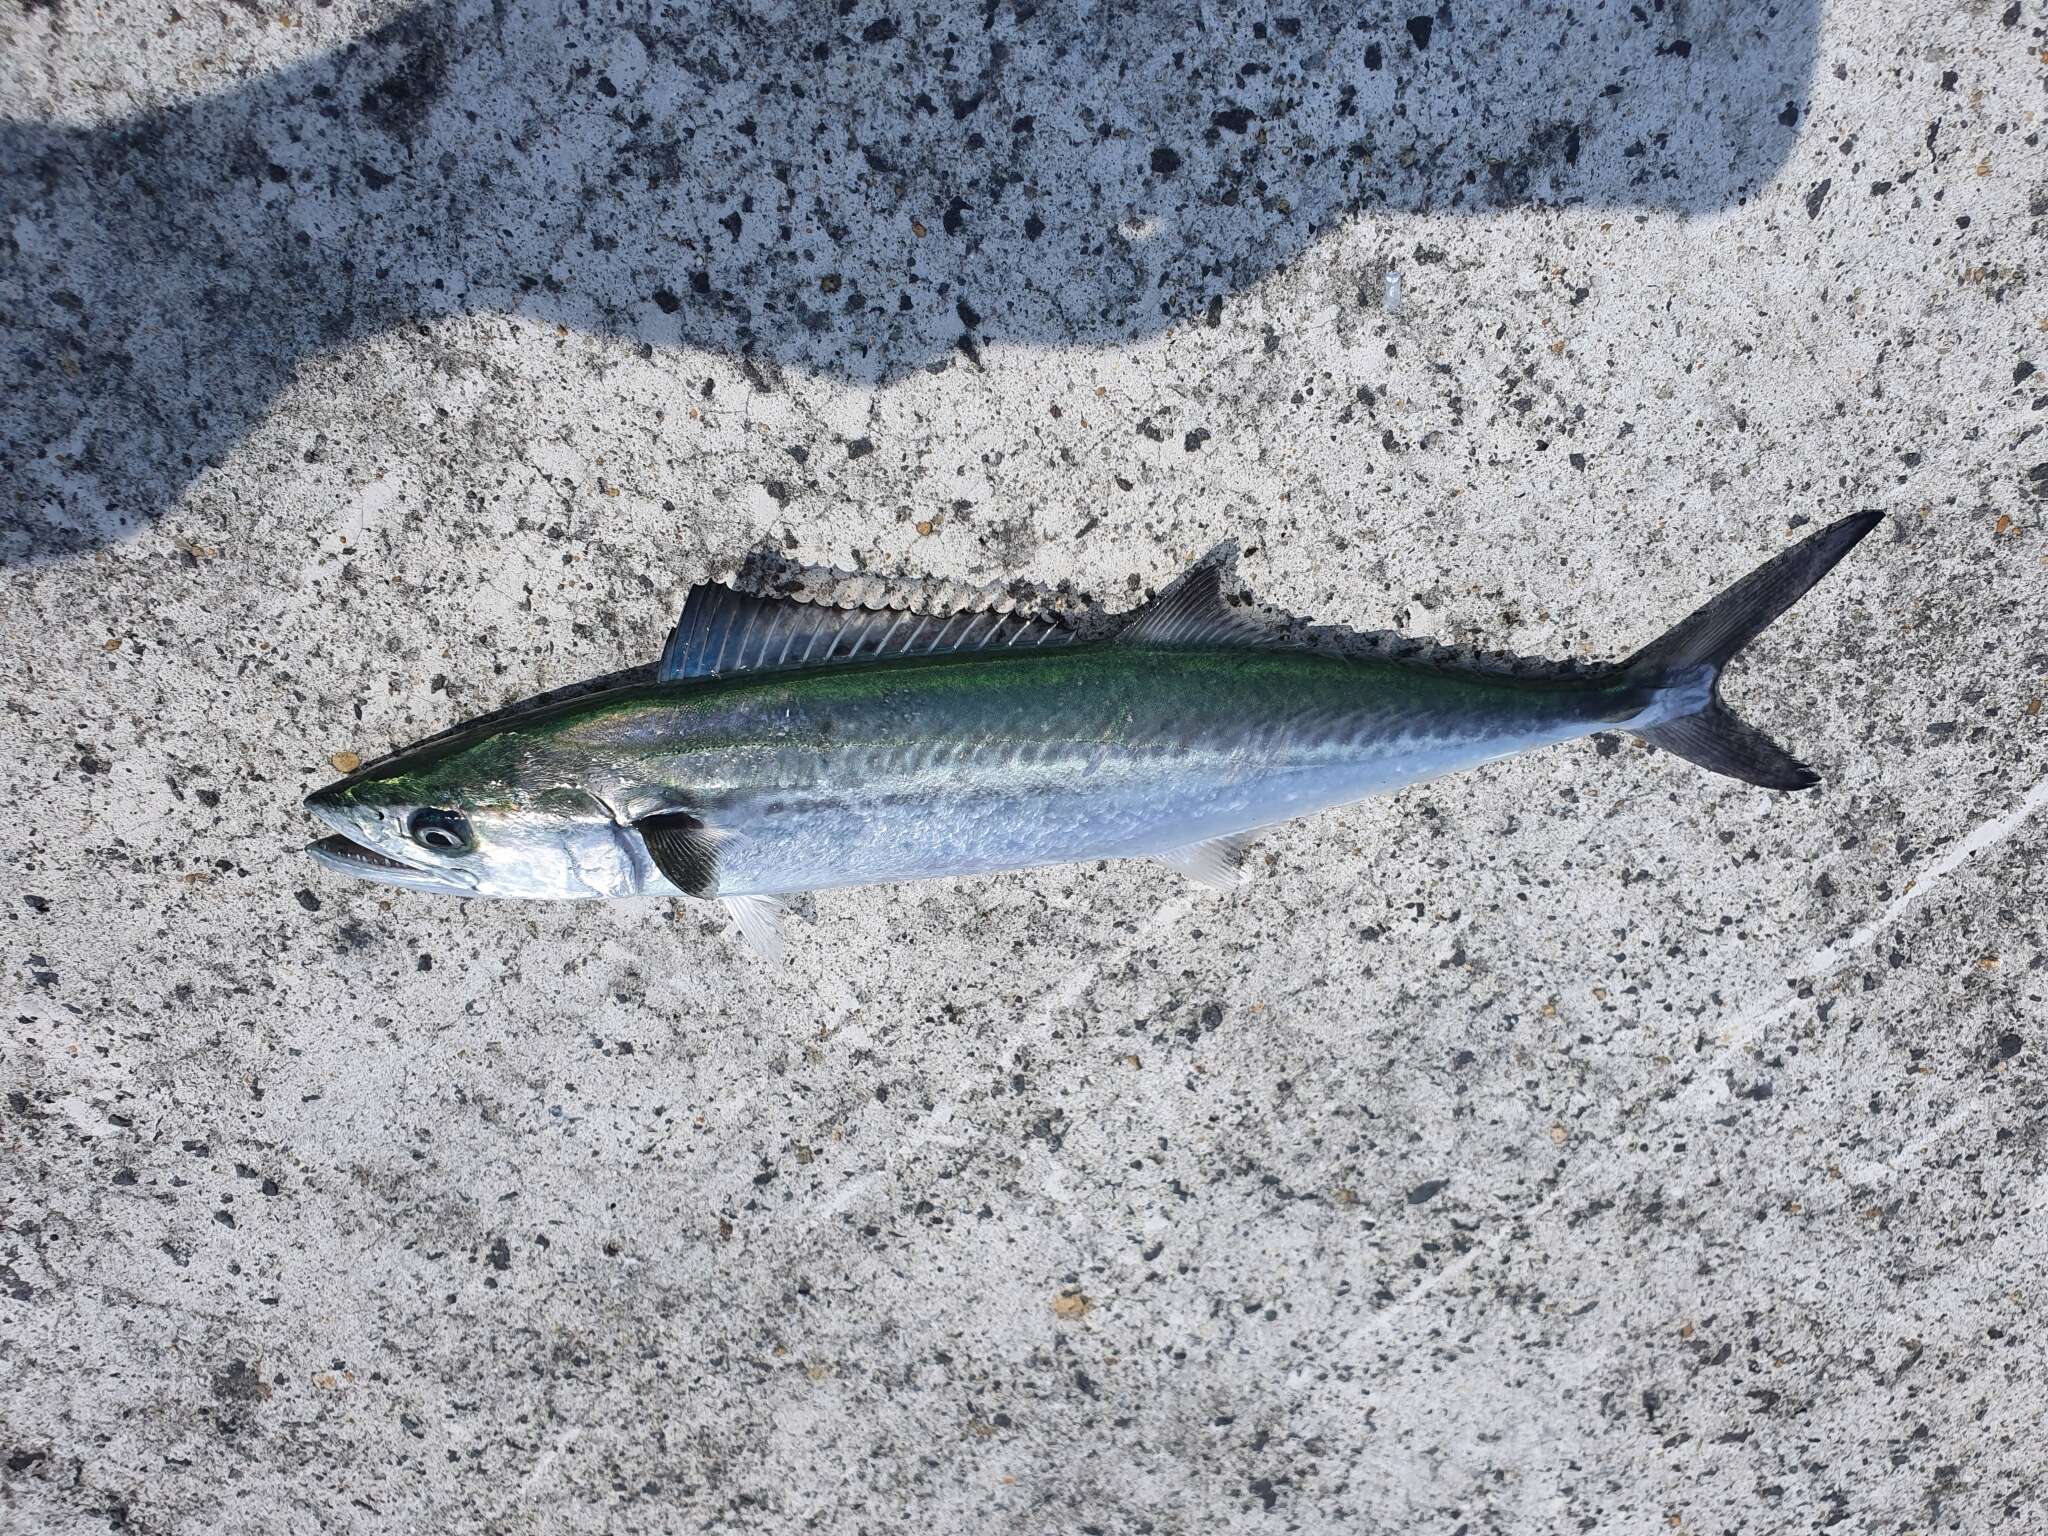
1684	666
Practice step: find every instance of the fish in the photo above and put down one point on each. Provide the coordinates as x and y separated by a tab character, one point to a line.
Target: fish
785	746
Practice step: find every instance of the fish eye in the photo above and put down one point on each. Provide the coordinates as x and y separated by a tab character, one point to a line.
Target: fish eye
443	831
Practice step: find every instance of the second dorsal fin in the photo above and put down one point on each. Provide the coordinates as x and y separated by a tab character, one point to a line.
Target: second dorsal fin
1192	612
722	631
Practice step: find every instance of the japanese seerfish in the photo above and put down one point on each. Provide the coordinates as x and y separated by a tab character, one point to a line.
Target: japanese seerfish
788	746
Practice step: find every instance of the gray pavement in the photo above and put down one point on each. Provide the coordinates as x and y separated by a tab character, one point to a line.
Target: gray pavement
1579	1144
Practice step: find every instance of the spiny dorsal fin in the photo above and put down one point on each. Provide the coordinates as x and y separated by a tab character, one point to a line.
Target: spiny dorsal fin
1217	863
1192	612
723	631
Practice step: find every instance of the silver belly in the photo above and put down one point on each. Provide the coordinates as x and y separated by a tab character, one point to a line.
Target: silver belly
913	816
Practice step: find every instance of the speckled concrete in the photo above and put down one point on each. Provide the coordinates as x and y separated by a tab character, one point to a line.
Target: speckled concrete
1581	1144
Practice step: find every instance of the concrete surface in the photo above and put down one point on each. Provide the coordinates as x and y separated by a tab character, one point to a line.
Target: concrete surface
1582	1144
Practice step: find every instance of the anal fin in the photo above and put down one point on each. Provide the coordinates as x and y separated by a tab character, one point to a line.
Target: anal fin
1217	862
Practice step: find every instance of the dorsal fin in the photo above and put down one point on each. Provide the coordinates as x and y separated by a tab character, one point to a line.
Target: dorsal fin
1192	612
723	631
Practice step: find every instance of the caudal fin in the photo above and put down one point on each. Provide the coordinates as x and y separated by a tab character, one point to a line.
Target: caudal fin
1688	659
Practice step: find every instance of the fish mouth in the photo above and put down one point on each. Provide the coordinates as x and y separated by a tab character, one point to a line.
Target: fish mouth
339	852
343	855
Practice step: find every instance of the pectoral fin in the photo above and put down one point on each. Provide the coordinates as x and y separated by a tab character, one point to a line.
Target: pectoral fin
1217	863
686	853
683	849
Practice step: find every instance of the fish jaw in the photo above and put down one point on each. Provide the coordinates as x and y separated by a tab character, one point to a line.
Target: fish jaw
342	855
521	854
349	851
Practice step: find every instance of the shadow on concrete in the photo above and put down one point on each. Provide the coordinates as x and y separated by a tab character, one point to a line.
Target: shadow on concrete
835	188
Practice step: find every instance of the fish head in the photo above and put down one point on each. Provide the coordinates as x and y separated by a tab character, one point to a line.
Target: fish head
474	817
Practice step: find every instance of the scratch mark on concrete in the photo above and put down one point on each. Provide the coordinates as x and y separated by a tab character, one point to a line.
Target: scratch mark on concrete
1989	835
1070	988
